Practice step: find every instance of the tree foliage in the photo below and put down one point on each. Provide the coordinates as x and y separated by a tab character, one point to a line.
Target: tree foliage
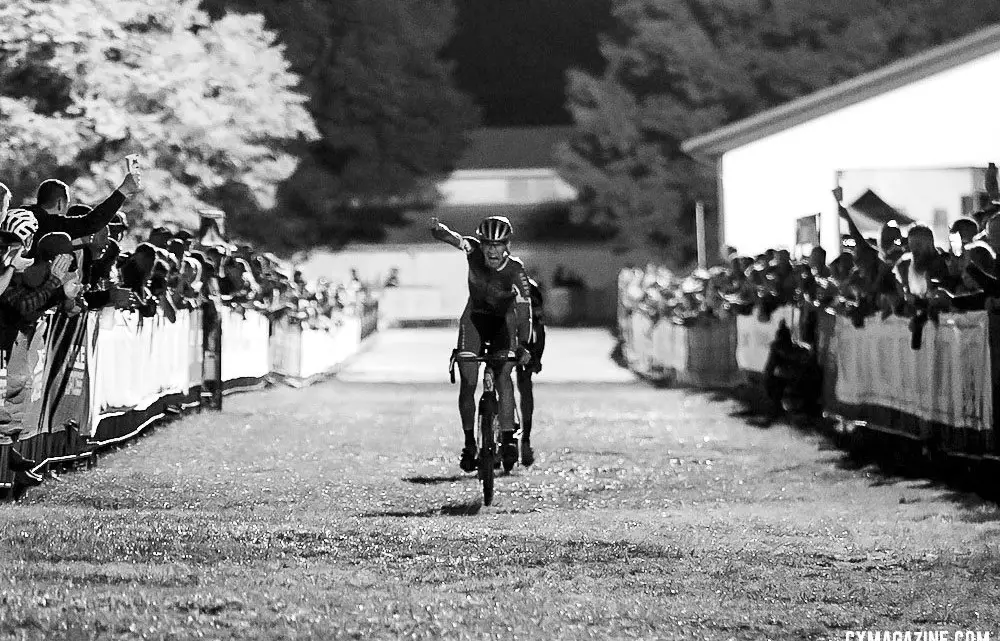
678	68
391	121
208	104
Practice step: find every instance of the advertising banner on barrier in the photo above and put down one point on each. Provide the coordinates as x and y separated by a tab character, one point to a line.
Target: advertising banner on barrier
245	344
670	345
640	350
139	360
68	390
286	343
711	349
948	380
195	349
754	337
25	380
323	350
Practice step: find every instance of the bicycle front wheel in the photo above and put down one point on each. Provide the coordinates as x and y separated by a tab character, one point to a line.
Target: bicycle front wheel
487	450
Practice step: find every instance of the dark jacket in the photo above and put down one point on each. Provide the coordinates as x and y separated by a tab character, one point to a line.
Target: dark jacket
76	226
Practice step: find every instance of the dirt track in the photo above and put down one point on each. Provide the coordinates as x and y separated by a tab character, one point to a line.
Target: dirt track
339	511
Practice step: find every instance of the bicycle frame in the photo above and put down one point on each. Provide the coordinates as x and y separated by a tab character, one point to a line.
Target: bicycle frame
487	415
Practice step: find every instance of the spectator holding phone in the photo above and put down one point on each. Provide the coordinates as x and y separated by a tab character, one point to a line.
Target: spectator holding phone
52	208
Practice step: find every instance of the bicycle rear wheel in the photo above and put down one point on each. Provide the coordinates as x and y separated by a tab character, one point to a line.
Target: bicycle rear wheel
487	449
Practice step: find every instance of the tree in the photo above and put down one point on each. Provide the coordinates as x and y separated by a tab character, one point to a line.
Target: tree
678	68
208	104
391	121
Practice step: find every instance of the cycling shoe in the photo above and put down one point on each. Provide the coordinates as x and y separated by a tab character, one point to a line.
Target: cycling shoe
470	459
527	454
509	454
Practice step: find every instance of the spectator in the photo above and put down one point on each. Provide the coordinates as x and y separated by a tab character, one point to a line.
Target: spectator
966	228
52	207
792	376
925	266
392	280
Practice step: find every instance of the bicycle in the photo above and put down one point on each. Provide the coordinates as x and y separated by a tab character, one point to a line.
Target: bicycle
487	417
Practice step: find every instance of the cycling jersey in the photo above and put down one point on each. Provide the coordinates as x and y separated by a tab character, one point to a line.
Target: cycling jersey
537	303
493	291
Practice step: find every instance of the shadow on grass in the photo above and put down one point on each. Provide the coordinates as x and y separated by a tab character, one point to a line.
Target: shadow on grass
890	461
437	480
469	508
976	509
886	460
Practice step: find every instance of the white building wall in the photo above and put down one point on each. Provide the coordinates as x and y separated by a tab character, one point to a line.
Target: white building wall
947	120
505	187
918	193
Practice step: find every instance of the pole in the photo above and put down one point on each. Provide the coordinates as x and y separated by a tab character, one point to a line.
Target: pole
699	216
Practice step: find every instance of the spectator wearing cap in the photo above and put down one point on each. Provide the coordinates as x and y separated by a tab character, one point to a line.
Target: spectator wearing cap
117	227
966	228
160	236
52	207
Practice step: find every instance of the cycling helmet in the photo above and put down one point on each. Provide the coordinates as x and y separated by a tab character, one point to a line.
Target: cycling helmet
22	224
495	229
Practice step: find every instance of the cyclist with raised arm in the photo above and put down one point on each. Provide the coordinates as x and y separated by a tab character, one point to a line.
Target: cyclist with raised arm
499	313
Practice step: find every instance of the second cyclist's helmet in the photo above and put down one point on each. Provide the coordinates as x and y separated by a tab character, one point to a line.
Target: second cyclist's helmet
495	229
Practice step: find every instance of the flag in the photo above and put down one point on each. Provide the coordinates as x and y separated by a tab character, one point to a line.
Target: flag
807	230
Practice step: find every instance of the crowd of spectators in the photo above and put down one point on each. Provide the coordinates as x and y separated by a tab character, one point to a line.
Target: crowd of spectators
73	258
903	272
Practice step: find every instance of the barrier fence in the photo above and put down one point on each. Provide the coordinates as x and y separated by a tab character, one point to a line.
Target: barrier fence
80	384
941	396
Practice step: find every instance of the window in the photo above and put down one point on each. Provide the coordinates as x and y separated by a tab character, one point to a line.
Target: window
941	226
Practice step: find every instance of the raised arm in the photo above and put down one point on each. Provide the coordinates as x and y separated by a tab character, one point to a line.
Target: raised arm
441	232
98	218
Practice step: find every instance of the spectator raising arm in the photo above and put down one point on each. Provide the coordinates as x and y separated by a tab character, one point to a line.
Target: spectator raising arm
856	234
49	220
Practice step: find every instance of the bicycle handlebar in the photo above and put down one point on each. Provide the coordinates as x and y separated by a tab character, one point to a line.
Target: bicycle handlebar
490	359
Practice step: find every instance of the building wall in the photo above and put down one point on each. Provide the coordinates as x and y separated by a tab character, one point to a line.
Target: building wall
947	120
918	193
505	187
